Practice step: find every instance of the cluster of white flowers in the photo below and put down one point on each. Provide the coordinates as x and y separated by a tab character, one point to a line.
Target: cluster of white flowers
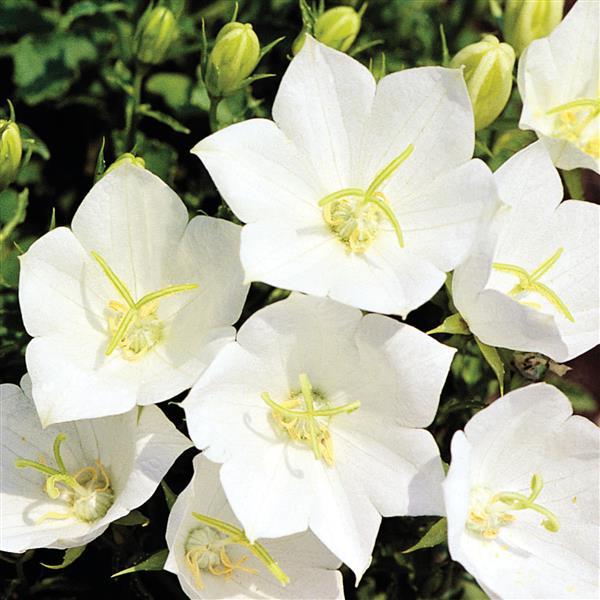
312	419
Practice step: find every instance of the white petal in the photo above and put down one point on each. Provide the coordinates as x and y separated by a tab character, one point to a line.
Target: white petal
59	287
406	367
440	221
427	107
260	173
566	155
322	104
135	222
399	469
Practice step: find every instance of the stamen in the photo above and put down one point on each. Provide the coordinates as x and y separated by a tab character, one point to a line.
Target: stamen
134	316
238	536
582	102
528	282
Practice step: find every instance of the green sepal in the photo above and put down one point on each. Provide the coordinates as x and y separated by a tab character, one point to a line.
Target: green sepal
493	359
454	324
135	517
70	556
437	534
155	562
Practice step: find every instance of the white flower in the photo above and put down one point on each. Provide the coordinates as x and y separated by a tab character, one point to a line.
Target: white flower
559	83
531	282
62	486
522	498
213	558
359	191
131	304
370	383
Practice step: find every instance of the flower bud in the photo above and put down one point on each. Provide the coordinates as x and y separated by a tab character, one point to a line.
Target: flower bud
528	20
235	55
126	159
156	32
488	66
338	27
10	152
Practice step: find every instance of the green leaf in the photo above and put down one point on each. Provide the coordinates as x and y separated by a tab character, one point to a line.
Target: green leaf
87	8
24	16
135	517
70	556
174	124
174	88
508	143
170	495
494	360
437	534
454	324
153	563
46	65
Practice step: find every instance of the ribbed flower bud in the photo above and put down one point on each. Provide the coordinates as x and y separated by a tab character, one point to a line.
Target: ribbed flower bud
338	27
233	58
488	66
528	20
11	150
156	32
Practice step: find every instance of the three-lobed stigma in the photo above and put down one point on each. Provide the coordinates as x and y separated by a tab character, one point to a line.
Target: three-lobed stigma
354	215
305	417
134	326
206	550
489	511
87	493
576	122
529	282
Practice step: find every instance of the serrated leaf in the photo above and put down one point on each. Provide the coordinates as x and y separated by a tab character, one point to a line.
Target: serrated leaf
174	88
70	556
494	360
174	124
454	324
135	517
437	534
153	563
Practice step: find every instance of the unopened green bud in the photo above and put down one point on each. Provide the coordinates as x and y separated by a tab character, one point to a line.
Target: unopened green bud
11	150
126	159
528	20
156	32
488	66
338	27
235	55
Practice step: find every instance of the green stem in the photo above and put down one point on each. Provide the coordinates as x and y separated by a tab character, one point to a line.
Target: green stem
17	218
133	103
212	113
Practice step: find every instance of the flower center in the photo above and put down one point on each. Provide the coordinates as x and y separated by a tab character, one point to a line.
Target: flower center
134	326
575	122
488	512
354	215
305	417
206	550
528	283
87	492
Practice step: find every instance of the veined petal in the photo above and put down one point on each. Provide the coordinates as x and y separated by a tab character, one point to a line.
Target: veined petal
135	222
322	105
261	174
427	107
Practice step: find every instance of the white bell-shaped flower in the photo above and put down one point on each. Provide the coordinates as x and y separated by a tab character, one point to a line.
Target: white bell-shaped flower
318	414
212	557
522	498
559	82
62	486
129	305
532	281
359	191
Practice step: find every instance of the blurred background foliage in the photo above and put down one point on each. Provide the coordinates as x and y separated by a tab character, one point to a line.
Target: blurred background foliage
68	67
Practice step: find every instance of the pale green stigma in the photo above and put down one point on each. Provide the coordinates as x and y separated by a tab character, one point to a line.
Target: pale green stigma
135	326
573	120
354	215
528	282
305	416
206	550
87	492
488	512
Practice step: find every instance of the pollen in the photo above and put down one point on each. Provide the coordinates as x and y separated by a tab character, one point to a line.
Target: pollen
86	494
305	417
577	122
355	215
134	326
